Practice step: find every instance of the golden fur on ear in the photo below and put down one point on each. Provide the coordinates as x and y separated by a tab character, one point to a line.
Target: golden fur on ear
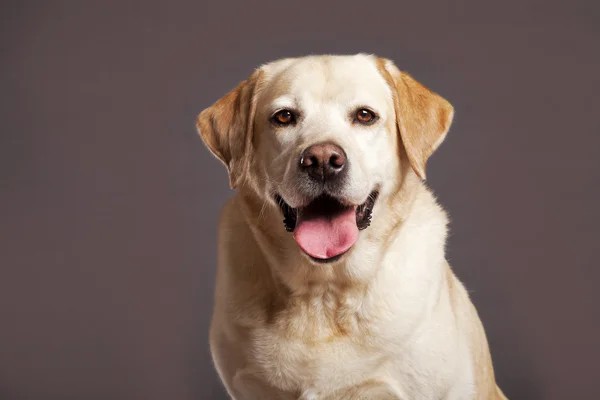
226	128
422	116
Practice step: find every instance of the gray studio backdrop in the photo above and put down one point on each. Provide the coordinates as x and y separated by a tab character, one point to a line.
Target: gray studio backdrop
109	201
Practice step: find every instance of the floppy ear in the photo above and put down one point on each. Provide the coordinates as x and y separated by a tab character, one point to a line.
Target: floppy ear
226	128
422	116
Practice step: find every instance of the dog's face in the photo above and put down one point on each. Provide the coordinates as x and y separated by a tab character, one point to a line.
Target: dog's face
322	137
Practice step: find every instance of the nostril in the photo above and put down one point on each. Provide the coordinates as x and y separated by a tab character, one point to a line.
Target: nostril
308	161
336	161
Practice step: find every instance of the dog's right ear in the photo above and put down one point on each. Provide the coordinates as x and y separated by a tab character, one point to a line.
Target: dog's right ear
226	128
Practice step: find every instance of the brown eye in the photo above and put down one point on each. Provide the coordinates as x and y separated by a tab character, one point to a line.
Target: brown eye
365	116
284	117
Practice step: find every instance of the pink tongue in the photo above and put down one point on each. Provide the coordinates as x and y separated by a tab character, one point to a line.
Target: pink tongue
327	236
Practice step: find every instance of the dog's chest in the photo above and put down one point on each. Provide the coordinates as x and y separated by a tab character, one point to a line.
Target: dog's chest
315	345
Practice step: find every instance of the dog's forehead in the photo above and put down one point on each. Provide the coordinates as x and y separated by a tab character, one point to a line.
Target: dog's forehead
327	79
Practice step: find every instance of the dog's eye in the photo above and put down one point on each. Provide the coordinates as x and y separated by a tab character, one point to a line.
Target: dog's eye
284	117
365	116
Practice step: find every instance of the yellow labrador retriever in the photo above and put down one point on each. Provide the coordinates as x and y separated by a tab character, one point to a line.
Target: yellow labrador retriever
332	283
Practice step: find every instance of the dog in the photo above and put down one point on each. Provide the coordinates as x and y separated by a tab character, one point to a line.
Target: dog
332	282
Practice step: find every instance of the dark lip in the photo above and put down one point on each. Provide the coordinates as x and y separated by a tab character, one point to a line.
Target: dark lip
328	260
363	211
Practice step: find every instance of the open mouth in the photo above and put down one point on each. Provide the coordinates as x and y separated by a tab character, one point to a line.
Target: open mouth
326	229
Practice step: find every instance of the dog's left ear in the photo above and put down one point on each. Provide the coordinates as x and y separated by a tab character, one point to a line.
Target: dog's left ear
423	117
226	128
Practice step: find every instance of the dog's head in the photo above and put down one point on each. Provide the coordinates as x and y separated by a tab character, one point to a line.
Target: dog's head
323	138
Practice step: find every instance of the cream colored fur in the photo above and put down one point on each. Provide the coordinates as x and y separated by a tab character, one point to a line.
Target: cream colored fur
390	320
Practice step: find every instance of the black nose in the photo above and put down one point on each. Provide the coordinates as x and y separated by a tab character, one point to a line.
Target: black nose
323	161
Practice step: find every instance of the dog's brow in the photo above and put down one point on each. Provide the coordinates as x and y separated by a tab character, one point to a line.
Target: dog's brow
355	105
283	102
